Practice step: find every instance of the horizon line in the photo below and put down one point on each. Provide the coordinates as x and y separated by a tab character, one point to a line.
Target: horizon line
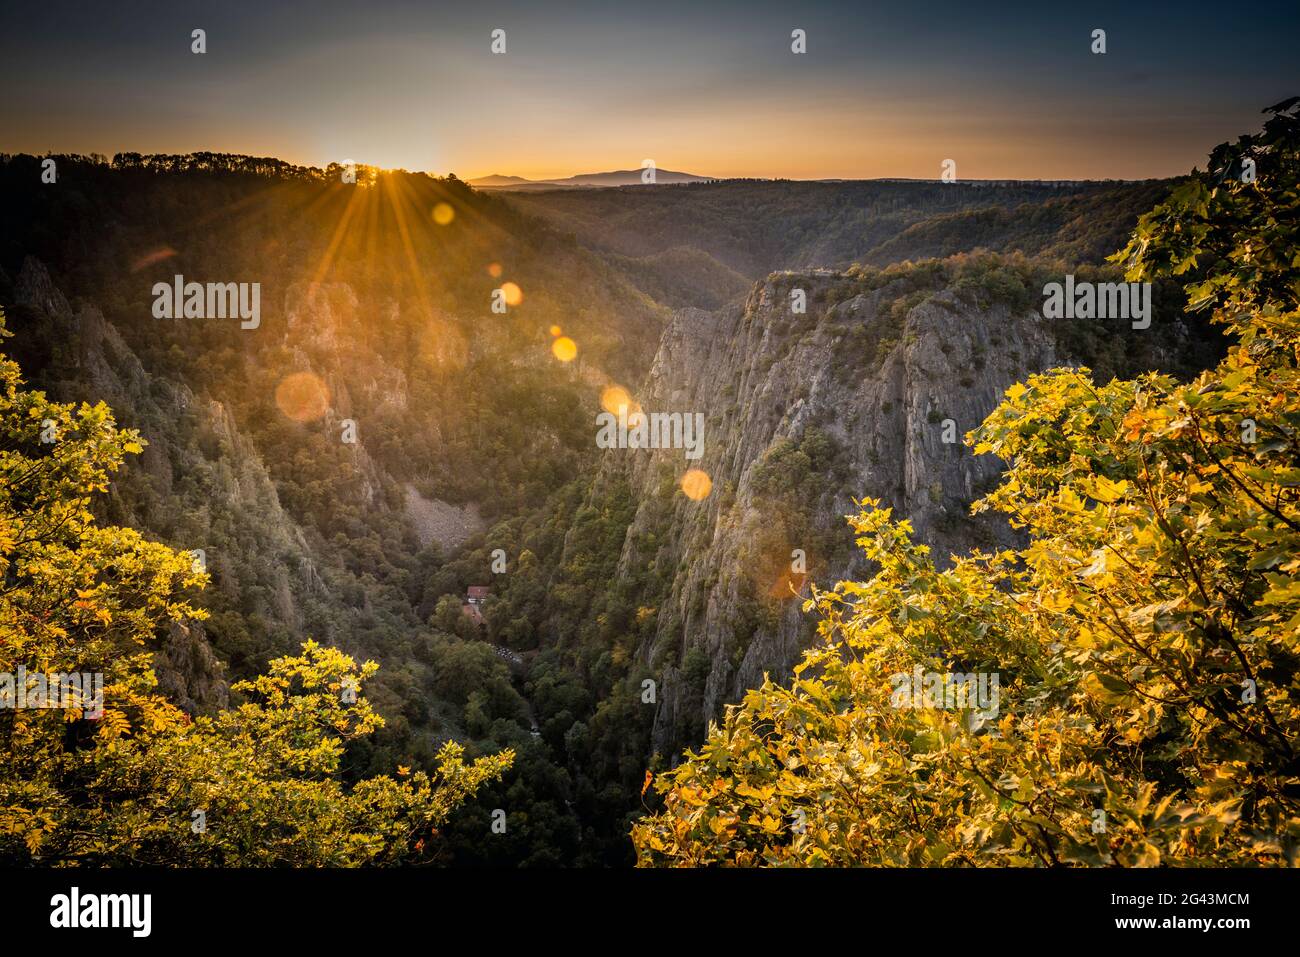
546	181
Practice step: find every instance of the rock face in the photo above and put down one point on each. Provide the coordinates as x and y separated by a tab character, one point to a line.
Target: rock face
188	672
861	396
437	521
201	483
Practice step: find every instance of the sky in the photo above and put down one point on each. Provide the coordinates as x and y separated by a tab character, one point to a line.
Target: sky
1005	90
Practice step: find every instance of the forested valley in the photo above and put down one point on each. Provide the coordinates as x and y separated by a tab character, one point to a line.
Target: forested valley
397	466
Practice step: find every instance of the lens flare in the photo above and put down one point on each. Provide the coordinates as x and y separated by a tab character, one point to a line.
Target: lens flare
154	256
556	330
443	214
302	396
696	484
615	398
494	270
788	585
564	349
513	294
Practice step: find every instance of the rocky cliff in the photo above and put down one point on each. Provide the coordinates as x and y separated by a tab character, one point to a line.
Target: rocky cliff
201	484
867	393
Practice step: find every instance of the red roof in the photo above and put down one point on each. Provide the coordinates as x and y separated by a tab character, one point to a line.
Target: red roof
479	591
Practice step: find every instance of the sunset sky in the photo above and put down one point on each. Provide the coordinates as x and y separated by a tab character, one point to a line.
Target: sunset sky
1006	90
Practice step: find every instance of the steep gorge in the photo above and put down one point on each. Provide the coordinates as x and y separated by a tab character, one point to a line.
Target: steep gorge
615	577
867	394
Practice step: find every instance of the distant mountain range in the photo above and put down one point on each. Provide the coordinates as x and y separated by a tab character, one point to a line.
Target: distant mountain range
632	177
622	177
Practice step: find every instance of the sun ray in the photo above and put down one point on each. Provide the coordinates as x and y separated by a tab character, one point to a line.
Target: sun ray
404	232
336	239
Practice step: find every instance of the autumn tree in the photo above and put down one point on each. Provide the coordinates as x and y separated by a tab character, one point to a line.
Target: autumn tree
132	779
1145	639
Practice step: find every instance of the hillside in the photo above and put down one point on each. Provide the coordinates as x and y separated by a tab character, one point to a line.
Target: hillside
804	415
755	228
473	440
625	177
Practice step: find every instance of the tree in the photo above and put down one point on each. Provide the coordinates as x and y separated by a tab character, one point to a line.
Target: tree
1145	641
128	778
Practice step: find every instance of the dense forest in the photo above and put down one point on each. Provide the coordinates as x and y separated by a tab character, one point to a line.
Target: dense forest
322	645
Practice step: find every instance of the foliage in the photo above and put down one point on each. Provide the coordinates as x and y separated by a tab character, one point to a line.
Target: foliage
1146	638
121	784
